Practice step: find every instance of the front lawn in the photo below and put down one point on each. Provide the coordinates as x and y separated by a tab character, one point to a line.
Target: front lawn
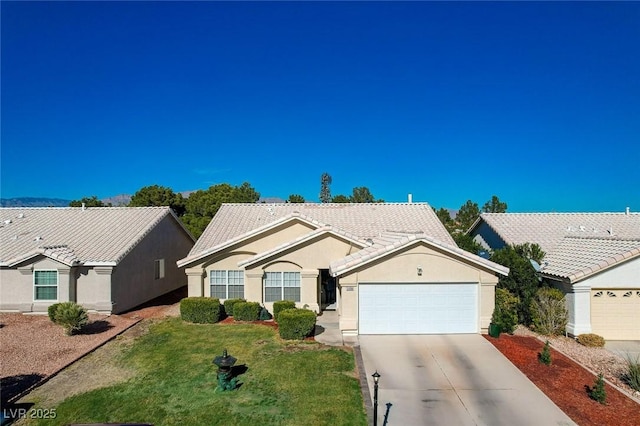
285	383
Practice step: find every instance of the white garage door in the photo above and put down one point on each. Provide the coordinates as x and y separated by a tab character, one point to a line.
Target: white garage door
615	314
418	308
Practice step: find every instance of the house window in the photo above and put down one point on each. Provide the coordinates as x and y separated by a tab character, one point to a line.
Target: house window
45	284
282	286
158	268
227	284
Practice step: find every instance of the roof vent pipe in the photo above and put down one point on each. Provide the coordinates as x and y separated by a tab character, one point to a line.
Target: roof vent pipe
626	210
410	198
84	206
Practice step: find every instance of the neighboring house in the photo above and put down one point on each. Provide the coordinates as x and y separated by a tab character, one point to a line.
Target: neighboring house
108	259
387	268
594	258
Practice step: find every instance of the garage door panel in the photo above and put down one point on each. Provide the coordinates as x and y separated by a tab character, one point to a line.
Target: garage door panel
418	308
615	313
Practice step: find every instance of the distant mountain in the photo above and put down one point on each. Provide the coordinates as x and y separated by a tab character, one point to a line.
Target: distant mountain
33	202
117	200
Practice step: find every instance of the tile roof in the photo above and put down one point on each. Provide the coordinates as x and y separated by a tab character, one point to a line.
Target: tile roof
390	242
576	258
548	229
73	235
234	222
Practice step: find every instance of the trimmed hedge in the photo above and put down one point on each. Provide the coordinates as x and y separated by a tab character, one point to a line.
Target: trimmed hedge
201	310
229	303
591	340
281	305
296	324
246	311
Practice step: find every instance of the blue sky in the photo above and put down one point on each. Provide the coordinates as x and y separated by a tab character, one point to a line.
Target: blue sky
538	103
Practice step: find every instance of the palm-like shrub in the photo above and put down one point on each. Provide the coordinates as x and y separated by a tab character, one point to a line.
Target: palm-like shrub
632	375
549	314
71	316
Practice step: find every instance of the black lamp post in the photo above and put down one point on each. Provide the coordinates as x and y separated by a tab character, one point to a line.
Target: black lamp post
376	377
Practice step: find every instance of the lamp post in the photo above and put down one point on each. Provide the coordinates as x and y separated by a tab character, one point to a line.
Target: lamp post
376	377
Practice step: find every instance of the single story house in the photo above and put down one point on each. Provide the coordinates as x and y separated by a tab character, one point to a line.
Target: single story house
108	259
386	268
594	258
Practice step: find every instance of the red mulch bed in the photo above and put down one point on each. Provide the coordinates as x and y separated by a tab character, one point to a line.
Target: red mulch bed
565	383
272	324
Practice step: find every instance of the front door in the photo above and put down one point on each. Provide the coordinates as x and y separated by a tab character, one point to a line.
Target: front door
328	290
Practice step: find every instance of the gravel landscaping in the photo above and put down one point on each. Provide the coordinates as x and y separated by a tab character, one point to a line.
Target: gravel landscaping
33	348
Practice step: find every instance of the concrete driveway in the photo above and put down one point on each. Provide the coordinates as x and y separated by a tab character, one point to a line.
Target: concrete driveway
452	380
627	349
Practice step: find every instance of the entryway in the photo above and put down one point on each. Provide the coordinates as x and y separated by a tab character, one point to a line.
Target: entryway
328	293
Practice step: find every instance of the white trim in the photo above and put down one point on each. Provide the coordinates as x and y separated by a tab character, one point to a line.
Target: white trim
34	286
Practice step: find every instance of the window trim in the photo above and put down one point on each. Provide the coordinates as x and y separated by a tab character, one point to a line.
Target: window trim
159	269
281	286
57	286
226	282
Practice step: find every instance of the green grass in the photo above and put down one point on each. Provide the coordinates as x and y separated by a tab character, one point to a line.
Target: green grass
302	383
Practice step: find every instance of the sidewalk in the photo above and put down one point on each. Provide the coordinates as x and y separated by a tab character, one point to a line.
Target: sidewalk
328	331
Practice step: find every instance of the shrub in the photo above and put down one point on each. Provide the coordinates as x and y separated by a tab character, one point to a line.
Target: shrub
71	316
505	313
548	312
229	303
598	391
264	314
201	310
246	311
632	375
591	340
281	305
51	311
545	356
296	324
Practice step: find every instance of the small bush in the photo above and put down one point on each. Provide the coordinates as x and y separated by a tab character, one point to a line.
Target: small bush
548	311
281	305
632	375
51	311
229	303
598	392
264	314
201	310
505	313
591	340
296	324
71	316
545	356
246	311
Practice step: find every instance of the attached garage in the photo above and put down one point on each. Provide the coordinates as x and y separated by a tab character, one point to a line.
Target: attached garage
615	313
418	308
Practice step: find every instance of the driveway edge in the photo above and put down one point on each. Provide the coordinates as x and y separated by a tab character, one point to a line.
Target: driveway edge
364	386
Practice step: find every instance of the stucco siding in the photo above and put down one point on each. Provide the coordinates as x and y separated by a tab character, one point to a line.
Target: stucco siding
133	281
624	275
17	285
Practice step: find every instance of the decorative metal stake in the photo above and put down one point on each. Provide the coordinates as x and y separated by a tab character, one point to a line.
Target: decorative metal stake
376	377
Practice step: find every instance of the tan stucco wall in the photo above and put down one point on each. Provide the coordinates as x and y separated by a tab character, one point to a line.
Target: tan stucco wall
307	259
197	276
133	281
402	267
